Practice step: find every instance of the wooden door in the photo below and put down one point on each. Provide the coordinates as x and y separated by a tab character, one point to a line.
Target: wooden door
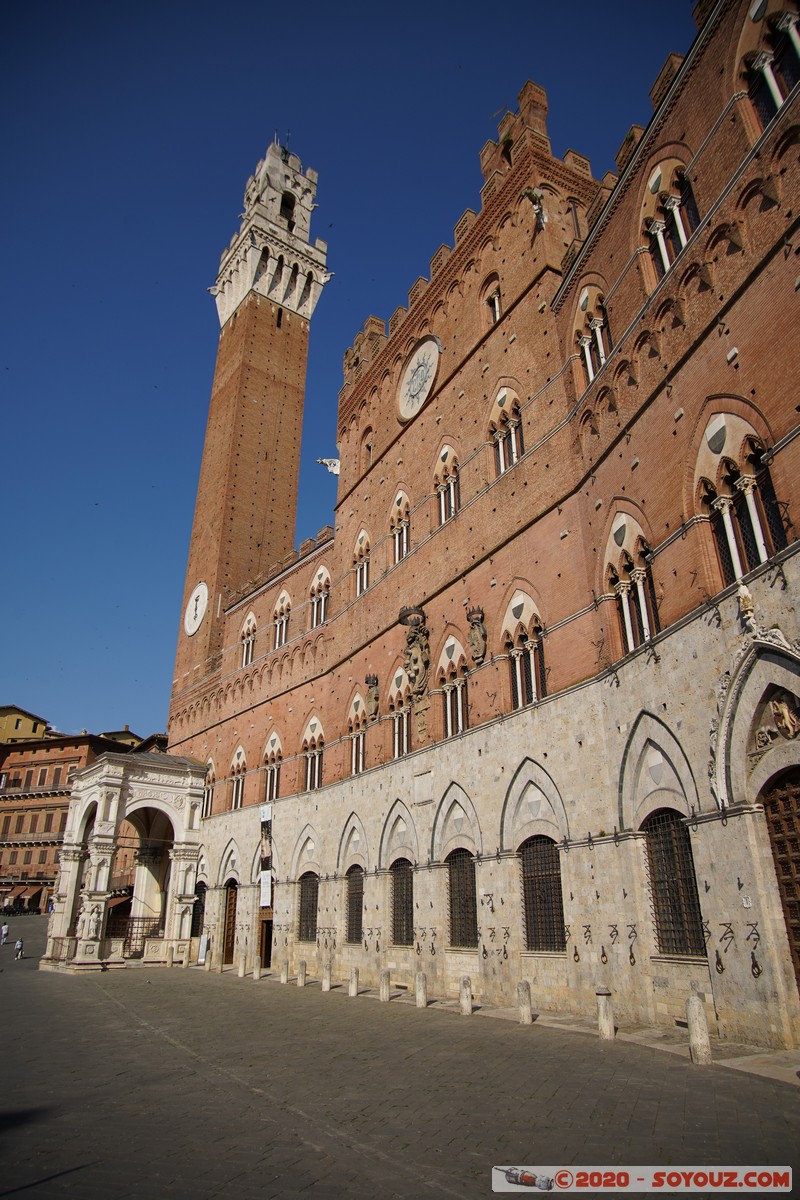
229	938
781	802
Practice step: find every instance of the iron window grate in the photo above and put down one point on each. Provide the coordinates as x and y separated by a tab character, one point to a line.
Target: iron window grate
541	889
402	903
463	899
673	886
355	904
309	898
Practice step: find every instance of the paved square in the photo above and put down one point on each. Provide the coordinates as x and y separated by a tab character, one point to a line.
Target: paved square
151	1083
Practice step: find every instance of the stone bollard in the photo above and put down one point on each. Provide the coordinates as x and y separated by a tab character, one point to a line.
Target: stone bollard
386	986
353	989
242	966
207	965
326	977
524	1002
699	1045
257	968
170	956
187	956
285	970
605	1014
301	973
422	989
465	997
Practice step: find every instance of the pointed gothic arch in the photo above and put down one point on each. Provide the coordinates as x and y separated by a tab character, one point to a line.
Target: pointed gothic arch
398	836
754	740
655	773
230	863
456	825
532	805
353	846
307	853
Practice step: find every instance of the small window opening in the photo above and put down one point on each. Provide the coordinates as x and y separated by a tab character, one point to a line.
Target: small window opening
287	209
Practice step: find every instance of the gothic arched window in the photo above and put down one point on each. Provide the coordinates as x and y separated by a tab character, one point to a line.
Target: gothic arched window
318	598
454	701
361	563
448	488
526	659
491	300
672	218
774	70
631	580
400	708
358	739
248	639
313	752
281	621
272	777
208	792
505	430
593	332
746	519
238	775
400	525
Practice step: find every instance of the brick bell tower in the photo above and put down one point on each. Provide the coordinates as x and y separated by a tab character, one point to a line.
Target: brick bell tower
269	281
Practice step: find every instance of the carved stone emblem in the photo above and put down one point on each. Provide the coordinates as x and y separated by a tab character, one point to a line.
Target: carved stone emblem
785	714
372	700
477	635
417	663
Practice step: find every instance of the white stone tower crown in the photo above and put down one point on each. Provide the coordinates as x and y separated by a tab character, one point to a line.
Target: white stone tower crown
271	254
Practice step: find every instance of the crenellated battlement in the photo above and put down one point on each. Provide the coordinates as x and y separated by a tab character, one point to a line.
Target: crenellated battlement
271	254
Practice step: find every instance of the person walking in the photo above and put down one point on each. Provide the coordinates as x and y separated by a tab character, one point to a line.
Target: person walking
3	933
18	948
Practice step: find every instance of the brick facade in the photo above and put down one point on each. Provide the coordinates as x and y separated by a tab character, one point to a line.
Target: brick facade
606	449
36	777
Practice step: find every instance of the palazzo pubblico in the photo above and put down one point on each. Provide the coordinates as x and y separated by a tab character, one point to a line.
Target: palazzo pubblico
530	709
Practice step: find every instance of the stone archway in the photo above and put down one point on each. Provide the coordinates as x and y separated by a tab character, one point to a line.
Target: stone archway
143	858
781	800
126	885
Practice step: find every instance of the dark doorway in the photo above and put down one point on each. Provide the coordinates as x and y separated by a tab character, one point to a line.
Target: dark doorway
266	941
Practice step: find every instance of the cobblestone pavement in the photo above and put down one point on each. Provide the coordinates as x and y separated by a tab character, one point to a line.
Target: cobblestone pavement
182	1083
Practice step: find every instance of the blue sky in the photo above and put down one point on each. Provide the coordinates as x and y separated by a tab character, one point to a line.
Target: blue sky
130	133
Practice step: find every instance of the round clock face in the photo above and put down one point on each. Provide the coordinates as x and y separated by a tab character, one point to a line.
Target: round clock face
418	377
195	609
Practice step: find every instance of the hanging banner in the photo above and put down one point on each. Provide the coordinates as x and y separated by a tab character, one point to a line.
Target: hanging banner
266	855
